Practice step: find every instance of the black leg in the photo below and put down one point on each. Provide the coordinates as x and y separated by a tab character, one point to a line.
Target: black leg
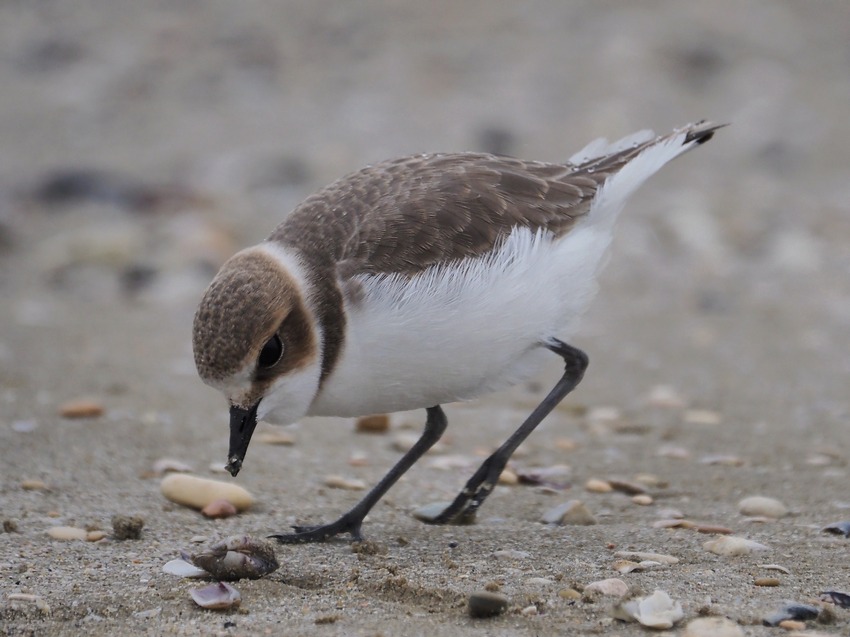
484	480
435	425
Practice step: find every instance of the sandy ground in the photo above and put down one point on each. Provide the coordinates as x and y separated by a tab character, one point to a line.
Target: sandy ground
205	122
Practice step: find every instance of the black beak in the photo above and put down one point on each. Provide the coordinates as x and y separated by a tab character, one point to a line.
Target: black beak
242	424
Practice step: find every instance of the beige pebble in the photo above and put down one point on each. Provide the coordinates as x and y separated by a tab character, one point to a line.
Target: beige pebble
95	536
375	424
792	624
81	408
67	533
665	396
767	581
661	558
702	417
643	499
573	512
569	593
729	545
762	506
219	509
508	477
340	482
712	627
612	586
283	438
197	493
34	485
595	485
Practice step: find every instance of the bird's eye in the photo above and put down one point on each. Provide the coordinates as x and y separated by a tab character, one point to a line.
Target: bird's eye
271	353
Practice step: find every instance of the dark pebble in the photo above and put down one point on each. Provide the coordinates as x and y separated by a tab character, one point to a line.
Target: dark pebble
841	600
799	612
487	604
838	528
127	527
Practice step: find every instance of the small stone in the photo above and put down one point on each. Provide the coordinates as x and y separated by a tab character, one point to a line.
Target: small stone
642	499
282	438
673	523
556	476
767	581
842	600
197	493
661	558
712	529
486	604
340	482
670	513
762	506
358	459
169	465
723	459
614	587
508	477
712	627
127	527
67	533
594	485
573	512
792	624
375	424
702	417
651	480
10	526
626	486
838	528
529	611
729	545
34	485
672	451
429	512
95	536
81	408
775	567
569	593
219	509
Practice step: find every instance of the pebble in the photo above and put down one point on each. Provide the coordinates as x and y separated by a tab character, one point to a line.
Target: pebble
595	485
702	417
643	499
529	611
169	465
487	604
67	533
626	486
340	482
712	529
614	587
723	459
34	485
627	566
762	506
508	477
842	600
81	408
283	438
712	627
95	536
792	624
10	526
569	593
792	611
672	451
218	596
428	512
375	424
732	545
219	509
197	493
661	558
766	581
127	527
573	512
838	528
775	567
24	426
655	611
358	459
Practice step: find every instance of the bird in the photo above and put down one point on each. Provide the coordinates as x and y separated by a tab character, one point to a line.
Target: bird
416	282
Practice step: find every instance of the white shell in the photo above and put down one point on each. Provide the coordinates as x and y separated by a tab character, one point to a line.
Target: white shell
216	596
655	611
182	568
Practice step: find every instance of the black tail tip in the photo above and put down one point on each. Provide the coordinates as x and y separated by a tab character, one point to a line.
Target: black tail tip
702	132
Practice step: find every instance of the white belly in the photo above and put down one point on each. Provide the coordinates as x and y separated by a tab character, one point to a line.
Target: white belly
455	333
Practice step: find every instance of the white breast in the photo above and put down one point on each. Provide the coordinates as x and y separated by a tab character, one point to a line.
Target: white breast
456	332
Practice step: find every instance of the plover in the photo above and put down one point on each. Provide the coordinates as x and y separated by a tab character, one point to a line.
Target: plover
417	282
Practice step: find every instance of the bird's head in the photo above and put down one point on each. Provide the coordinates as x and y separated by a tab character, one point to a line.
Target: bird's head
256	340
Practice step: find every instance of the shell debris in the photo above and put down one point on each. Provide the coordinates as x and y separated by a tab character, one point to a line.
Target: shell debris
217	596
236	557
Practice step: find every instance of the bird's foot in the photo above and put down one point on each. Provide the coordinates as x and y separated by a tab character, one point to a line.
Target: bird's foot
346	524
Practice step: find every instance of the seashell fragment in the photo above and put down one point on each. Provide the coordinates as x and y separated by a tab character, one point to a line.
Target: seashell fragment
237	557
842	600
218	596
341	482
169	465
556	476
612	586
655	611
792	611
219	509
661	558
712	627
429	512
182	568
197	493
572	512
728	545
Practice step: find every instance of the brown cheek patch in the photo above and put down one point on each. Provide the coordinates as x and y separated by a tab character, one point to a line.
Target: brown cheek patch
299	346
